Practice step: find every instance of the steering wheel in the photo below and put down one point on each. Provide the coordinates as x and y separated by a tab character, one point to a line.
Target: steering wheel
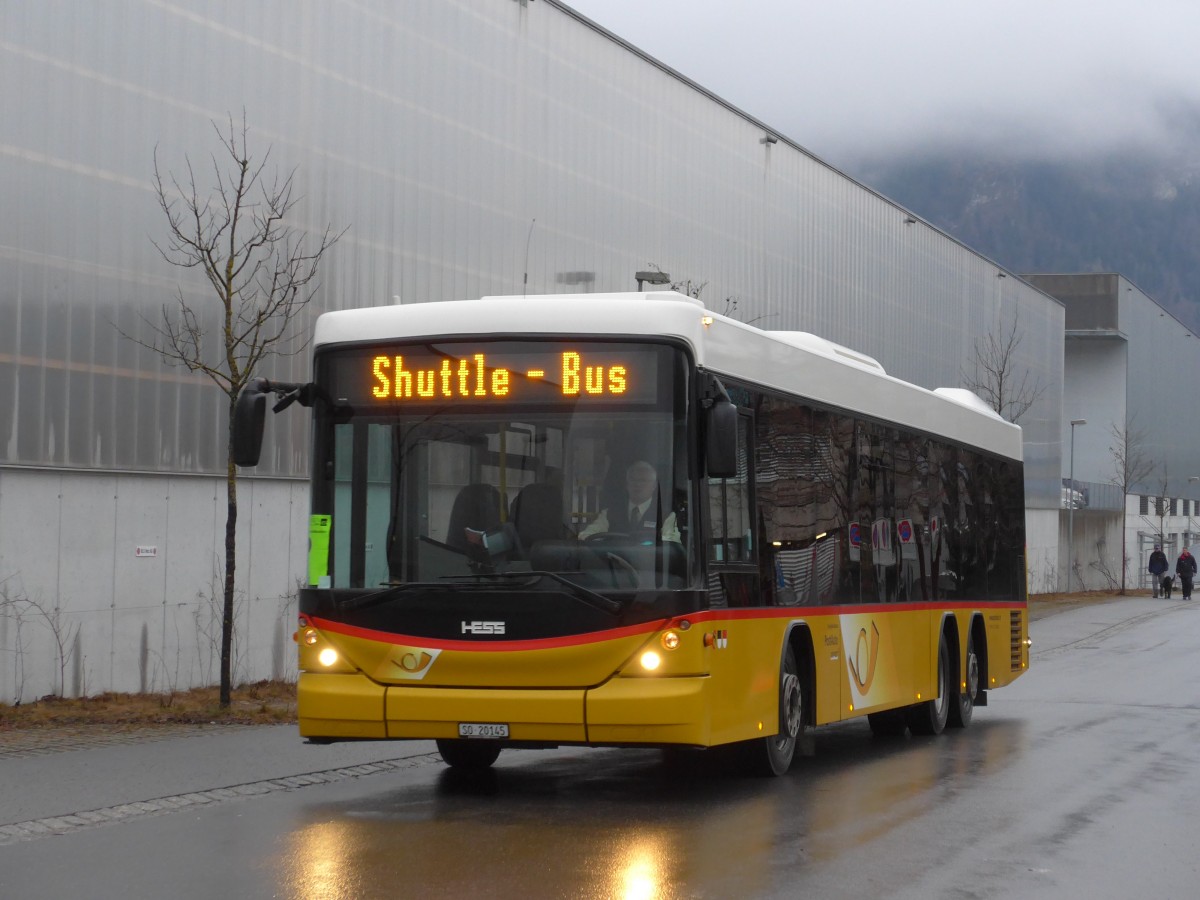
603	538
625	567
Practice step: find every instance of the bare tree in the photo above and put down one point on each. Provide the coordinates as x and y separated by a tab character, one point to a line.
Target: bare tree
692	289
731	310
1131	466
996	377
682	285
262	272
1161	505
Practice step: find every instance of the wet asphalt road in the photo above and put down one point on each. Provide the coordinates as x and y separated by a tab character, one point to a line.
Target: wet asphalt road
1082	779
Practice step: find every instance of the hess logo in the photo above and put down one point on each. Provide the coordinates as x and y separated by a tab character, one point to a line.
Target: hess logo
483	627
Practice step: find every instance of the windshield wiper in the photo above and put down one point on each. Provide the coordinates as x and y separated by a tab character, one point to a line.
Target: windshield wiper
482	580
384	595
587	595
393	590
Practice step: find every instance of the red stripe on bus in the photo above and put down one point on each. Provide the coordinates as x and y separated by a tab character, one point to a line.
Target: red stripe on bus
648	628
570	640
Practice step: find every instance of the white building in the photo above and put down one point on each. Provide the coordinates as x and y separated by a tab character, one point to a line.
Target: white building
1126	362
472	147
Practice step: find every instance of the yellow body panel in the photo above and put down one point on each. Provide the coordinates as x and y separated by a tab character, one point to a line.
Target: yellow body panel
577	665
531	715
719	685
650	711
337	705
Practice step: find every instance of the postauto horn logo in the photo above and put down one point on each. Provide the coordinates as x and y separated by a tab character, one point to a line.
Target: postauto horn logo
414	662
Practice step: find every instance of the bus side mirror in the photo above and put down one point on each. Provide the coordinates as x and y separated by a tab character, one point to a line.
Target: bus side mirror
249	414
721	440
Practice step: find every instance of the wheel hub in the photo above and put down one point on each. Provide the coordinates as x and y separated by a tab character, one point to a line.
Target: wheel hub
792	706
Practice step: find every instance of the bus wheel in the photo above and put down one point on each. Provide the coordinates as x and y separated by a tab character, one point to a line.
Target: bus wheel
930	717
773	755
468	754
964	706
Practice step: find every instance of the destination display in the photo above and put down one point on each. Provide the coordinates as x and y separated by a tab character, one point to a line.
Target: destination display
497	373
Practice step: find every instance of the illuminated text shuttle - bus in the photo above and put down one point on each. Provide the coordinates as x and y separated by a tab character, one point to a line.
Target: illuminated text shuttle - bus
816	541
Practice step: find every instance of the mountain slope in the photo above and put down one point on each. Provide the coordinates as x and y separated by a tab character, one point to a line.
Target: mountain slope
1135	216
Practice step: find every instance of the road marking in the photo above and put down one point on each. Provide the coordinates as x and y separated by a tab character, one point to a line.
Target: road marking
77	821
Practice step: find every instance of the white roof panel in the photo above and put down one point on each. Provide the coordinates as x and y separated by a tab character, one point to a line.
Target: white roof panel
791	362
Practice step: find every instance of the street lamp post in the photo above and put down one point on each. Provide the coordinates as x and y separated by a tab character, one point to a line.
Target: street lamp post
651	278
1071	506
1192	479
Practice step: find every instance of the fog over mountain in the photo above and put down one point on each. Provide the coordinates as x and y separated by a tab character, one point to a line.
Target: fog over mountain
1133	209
1049	136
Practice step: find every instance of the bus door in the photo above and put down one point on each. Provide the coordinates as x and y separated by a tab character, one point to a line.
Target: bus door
747	648
732	555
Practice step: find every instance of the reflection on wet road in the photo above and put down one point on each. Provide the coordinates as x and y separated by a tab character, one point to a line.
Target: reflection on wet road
1078	780
631	824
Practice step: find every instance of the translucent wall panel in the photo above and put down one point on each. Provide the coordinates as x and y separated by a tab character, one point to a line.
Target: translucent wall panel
470	147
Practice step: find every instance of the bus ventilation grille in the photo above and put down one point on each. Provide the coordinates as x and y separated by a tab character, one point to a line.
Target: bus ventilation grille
1014	638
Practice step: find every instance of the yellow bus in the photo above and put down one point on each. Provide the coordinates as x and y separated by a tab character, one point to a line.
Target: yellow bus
625	520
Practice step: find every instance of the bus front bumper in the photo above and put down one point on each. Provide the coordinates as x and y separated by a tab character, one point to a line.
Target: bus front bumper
622	711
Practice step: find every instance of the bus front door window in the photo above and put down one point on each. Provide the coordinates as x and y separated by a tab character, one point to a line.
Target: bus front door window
733	571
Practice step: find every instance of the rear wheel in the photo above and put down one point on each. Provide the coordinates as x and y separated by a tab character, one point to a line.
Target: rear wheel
773	755
930	717
963	706
468	754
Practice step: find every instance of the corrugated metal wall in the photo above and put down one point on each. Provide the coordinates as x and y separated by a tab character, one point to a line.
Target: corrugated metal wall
471	147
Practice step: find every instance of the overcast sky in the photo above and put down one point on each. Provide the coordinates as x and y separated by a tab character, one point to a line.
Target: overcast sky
844	78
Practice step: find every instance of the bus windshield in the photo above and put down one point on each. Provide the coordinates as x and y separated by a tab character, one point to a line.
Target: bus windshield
497	460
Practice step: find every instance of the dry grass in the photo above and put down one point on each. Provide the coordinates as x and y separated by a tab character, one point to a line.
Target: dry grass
261	703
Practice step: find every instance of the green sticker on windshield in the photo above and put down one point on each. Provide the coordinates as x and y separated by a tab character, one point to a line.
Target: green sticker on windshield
318	550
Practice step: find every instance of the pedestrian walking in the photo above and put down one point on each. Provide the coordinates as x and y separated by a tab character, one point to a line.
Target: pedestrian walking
1158	569
1185	568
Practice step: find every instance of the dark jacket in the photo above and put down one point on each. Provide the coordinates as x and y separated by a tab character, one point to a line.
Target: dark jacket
1186	565
1158	563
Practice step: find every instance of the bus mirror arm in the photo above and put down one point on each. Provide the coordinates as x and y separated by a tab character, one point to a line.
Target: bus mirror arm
250	411
720	429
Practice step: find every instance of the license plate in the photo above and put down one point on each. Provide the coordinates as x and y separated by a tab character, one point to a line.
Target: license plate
482	730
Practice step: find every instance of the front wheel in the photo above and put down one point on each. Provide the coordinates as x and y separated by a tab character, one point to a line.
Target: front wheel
773	755
930	717
475	755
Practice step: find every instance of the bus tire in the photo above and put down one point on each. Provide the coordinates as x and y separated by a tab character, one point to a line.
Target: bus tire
772	756
930	717
474	755
963	706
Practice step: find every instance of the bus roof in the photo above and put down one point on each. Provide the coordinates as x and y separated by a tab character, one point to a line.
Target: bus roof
789	361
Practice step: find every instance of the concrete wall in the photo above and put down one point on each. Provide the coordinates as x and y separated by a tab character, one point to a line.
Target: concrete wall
1097	557
1042	547
112	582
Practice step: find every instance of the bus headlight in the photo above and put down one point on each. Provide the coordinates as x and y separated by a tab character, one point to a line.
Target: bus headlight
651	660
310	636
327	657
670	640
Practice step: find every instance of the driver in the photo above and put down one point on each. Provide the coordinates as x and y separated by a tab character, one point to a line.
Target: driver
639	517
